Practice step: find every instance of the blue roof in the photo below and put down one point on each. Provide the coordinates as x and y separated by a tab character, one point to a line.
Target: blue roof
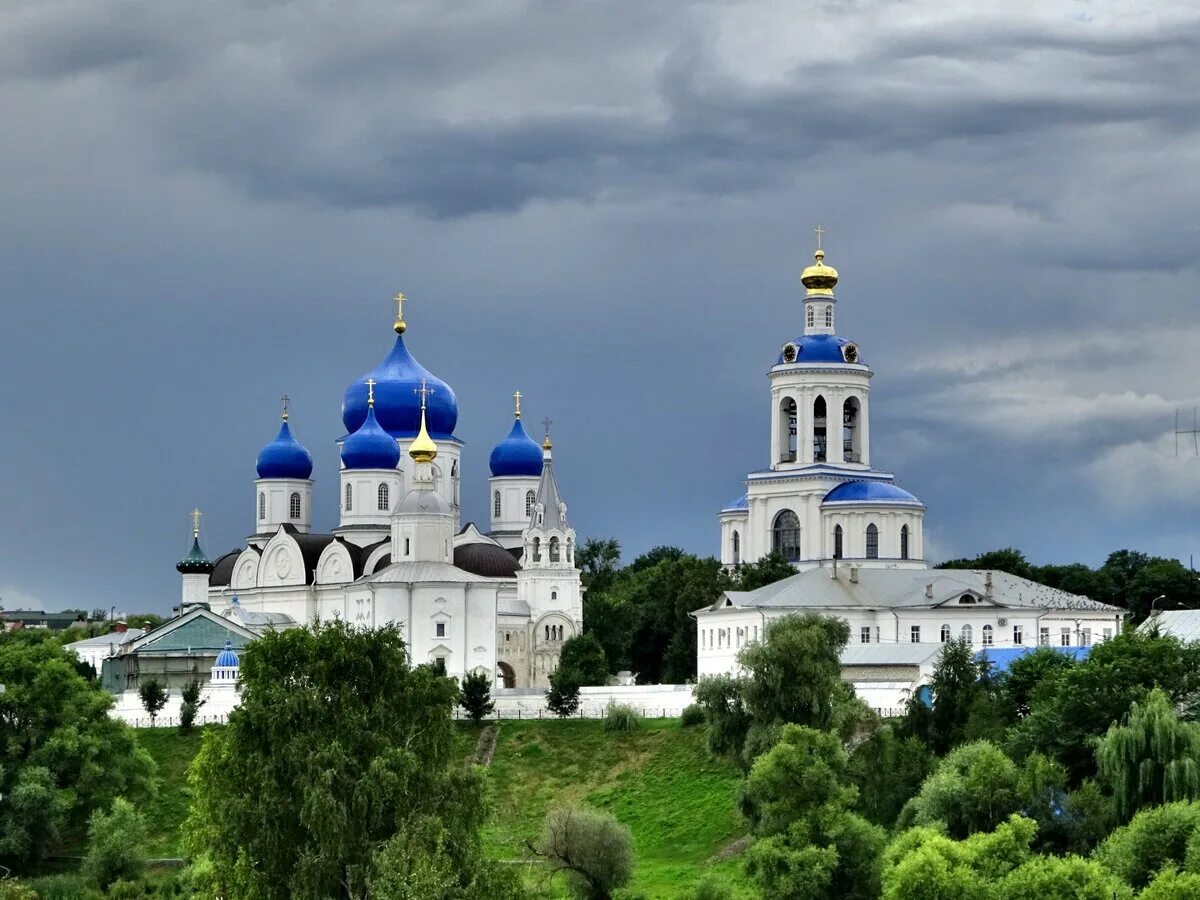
742	502
284	457
825	348
227	658
517	454
397	405
871	492
1001	658
370	447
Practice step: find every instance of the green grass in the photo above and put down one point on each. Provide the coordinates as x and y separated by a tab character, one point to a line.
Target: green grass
679	805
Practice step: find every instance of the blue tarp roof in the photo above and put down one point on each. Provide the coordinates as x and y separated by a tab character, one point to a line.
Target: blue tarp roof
1003	657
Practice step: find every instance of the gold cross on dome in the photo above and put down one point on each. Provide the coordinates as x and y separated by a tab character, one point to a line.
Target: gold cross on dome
820	232
517	400
400	325
196	514
371	382
546	423
284	400
423	392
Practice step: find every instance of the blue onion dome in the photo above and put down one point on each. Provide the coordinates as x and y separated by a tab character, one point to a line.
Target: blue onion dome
397	405
284	457
822	348
195	563
870	493
370	447
227	658
517	454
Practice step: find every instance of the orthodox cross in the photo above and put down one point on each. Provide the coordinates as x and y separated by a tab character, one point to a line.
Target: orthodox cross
517	399
371	382
423	391
400	326
820	232
196	514
284	400
546	423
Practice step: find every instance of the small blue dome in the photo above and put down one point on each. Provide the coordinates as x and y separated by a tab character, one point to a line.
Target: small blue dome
397	406
742	502
811	348
227	658
284	457
370	447
517	454
871	492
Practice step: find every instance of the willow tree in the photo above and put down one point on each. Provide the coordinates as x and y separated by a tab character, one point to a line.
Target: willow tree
1152	758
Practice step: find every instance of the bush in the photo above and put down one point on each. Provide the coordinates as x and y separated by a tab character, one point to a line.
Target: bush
1154	838
64	887
619	717
692	715
125	890
114	844
712	889
475	696
591	848
16	890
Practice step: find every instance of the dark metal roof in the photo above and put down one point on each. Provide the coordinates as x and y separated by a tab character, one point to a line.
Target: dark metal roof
311	546
222	572
383	563
485	559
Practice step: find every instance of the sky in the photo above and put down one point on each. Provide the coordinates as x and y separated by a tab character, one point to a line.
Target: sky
606	205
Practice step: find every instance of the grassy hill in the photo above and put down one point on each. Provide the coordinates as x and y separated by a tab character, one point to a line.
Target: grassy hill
658	780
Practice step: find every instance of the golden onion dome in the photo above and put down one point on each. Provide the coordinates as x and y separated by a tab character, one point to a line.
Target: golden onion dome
423	449
819	278
546	444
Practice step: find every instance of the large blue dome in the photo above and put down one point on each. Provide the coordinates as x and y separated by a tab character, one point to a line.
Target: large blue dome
397	406
370	447
871	493
811	348
517	454
284	457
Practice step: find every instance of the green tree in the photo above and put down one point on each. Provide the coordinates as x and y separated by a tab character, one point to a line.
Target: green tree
115	841
806	769
1153	758
720	698
476	696
888	771
1063	878
590	848
958	693
598	560
189	704
582	659
973	789
154	697
1155	838
338	744
1008	560
1172	885
563	697
1026	674
61	754
420	862
769	569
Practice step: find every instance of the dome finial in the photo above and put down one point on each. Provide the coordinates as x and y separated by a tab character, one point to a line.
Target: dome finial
371	391
547	444
284	401
517	404
400	325
196	514
423	449
819	278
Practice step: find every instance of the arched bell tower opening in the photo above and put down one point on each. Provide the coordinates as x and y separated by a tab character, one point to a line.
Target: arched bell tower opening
785	535
787	431
820	443
851	430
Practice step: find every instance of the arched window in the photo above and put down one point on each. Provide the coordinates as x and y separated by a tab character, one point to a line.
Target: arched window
851	451
787	430
945	633
495	504
987	635
829	316
349	501
382	496
262	506
554	549
530	499
785	535
294	506
812	316
547	632
872	542
837	541
737	548
904	542
819	451
967	634
537	549
571	551
554	595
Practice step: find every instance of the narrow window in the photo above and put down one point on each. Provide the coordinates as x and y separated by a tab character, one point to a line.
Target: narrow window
554	595
294	506
945	633
987	636
864	634
812	316
914	634
819	453
262	506
495	504
439	665
785	535
554	549
967	634
349	497
837	541
1064	637
384	500
547	632
737	548
1044	636
530	499
828	316
904	542
537	549
441	629
1085	638
1018	634
1107	633
407	545
872	542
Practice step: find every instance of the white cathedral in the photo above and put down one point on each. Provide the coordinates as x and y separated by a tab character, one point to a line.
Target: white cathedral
501	603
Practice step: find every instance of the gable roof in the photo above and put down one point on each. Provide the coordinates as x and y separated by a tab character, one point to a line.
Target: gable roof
196	631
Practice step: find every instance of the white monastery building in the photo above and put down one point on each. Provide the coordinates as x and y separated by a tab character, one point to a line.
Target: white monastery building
857	539
501	602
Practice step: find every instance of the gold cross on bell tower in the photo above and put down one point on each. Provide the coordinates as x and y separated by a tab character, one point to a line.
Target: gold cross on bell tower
284	400
423	392
400	324
820	233
196	514
371	382
517	403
